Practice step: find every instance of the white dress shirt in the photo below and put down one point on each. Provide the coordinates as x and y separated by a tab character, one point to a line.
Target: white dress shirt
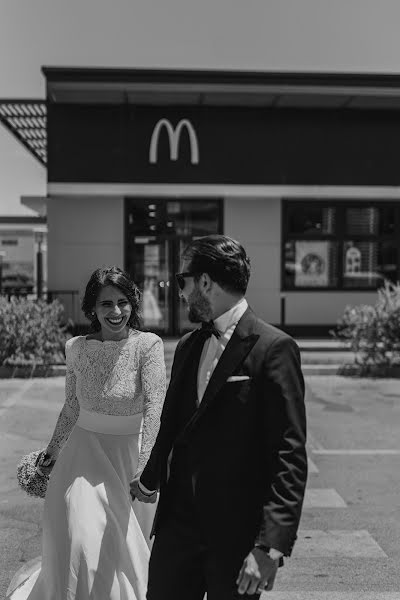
214	347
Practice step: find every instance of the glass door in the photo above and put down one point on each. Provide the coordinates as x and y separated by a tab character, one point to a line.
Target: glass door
149	262
156	233
182	321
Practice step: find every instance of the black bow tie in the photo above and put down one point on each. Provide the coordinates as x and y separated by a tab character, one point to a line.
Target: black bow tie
208	329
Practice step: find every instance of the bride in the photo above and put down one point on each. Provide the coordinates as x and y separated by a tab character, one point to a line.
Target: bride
95	541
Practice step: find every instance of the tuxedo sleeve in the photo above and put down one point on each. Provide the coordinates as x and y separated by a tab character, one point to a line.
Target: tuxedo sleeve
285	426
151	475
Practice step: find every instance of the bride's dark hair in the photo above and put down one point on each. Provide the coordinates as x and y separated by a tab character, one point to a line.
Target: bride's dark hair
118	278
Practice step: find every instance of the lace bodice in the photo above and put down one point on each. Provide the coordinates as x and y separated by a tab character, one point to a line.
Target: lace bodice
114	378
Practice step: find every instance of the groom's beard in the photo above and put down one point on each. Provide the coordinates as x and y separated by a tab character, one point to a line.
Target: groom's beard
199	307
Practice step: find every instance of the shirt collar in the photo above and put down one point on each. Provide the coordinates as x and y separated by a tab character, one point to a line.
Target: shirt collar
231	316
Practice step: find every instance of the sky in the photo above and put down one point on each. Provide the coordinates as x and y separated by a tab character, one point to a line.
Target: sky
278	35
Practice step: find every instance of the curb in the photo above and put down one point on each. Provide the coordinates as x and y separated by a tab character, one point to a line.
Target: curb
60	370
31	371
308	370
320	369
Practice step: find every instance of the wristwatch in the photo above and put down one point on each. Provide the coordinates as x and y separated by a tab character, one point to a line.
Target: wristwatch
271	552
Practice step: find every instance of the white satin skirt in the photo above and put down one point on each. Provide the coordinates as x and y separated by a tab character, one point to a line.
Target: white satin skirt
95	540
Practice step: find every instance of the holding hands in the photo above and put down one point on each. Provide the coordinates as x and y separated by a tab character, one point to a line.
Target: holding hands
137	490
46	461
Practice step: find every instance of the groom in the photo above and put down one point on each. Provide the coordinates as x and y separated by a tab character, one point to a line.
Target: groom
230	459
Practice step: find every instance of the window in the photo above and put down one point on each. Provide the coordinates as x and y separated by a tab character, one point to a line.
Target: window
9	242
173	217
339	244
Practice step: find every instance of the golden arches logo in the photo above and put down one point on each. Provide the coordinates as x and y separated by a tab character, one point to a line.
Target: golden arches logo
174	137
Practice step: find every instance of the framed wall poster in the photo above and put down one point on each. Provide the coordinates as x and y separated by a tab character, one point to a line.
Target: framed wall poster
312	266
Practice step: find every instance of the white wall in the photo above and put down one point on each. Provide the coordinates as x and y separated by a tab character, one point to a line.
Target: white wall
84	233
24	251
322	308
256	223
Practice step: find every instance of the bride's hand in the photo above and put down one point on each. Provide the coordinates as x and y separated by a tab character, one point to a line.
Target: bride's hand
45	461
138	493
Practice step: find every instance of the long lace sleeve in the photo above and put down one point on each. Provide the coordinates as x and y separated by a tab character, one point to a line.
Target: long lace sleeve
70	411
153	384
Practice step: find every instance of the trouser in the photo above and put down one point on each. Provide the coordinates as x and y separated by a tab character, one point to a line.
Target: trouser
184	563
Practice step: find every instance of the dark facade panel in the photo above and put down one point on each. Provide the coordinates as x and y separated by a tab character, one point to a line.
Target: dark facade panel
271	146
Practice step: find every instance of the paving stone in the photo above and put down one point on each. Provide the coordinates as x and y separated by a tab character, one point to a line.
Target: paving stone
312	467
323	498
315	543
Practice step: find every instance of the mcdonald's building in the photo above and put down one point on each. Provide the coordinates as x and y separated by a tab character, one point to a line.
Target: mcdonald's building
302	168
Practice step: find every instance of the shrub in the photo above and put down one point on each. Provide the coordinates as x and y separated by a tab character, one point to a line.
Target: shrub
373	332
31	332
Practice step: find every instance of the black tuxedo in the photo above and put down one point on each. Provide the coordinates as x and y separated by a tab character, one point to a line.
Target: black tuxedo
243	451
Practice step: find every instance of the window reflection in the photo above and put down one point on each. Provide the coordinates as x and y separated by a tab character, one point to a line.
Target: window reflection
193	217
370	220
157	230
367	264
311	219
342	245
184	218
310	263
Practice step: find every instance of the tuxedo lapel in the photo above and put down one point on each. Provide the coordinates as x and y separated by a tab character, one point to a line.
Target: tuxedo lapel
240	344
236	350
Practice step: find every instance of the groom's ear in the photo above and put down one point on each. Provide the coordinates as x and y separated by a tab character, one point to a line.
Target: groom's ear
205	282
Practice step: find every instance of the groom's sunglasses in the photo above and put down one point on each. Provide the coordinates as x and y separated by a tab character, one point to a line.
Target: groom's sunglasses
180	278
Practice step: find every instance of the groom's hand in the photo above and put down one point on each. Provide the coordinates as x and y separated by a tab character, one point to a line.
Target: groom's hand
136	491
258	573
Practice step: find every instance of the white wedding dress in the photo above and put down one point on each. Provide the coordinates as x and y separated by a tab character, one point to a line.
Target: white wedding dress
95	539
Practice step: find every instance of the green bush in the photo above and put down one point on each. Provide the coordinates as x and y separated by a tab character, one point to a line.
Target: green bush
31	332
373	332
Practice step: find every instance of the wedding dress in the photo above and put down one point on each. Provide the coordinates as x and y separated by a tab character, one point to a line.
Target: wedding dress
95	539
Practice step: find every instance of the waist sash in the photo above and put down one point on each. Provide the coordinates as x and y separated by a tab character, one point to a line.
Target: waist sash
112	424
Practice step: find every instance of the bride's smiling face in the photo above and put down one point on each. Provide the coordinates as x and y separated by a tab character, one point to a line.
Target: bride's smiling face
113	311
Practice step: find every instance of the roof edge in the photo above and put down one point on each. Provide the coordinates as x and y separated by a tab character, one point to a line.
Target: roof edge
22	219
218	76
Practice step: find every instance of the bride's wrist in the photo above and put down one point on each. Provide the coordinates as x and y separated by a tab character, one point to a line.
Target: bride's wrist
52	451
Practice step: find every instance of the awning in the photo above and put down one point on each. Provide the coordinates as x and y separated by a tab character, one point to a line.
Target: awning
223	88
26	120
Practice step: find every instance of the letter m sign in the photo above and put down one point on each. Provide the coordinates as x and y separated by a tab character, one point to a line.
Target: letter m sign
173	138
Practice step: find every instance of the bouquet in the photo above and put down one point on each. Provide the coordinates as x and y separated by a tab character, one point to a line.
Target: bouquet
31	481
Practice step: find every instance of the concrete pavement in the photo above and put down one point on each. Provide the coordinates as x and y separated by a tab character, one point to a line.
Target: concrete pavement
348	546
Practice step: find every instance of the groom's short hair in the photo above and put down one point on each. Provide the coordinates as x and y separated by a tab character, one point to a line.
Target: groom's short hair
223	258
